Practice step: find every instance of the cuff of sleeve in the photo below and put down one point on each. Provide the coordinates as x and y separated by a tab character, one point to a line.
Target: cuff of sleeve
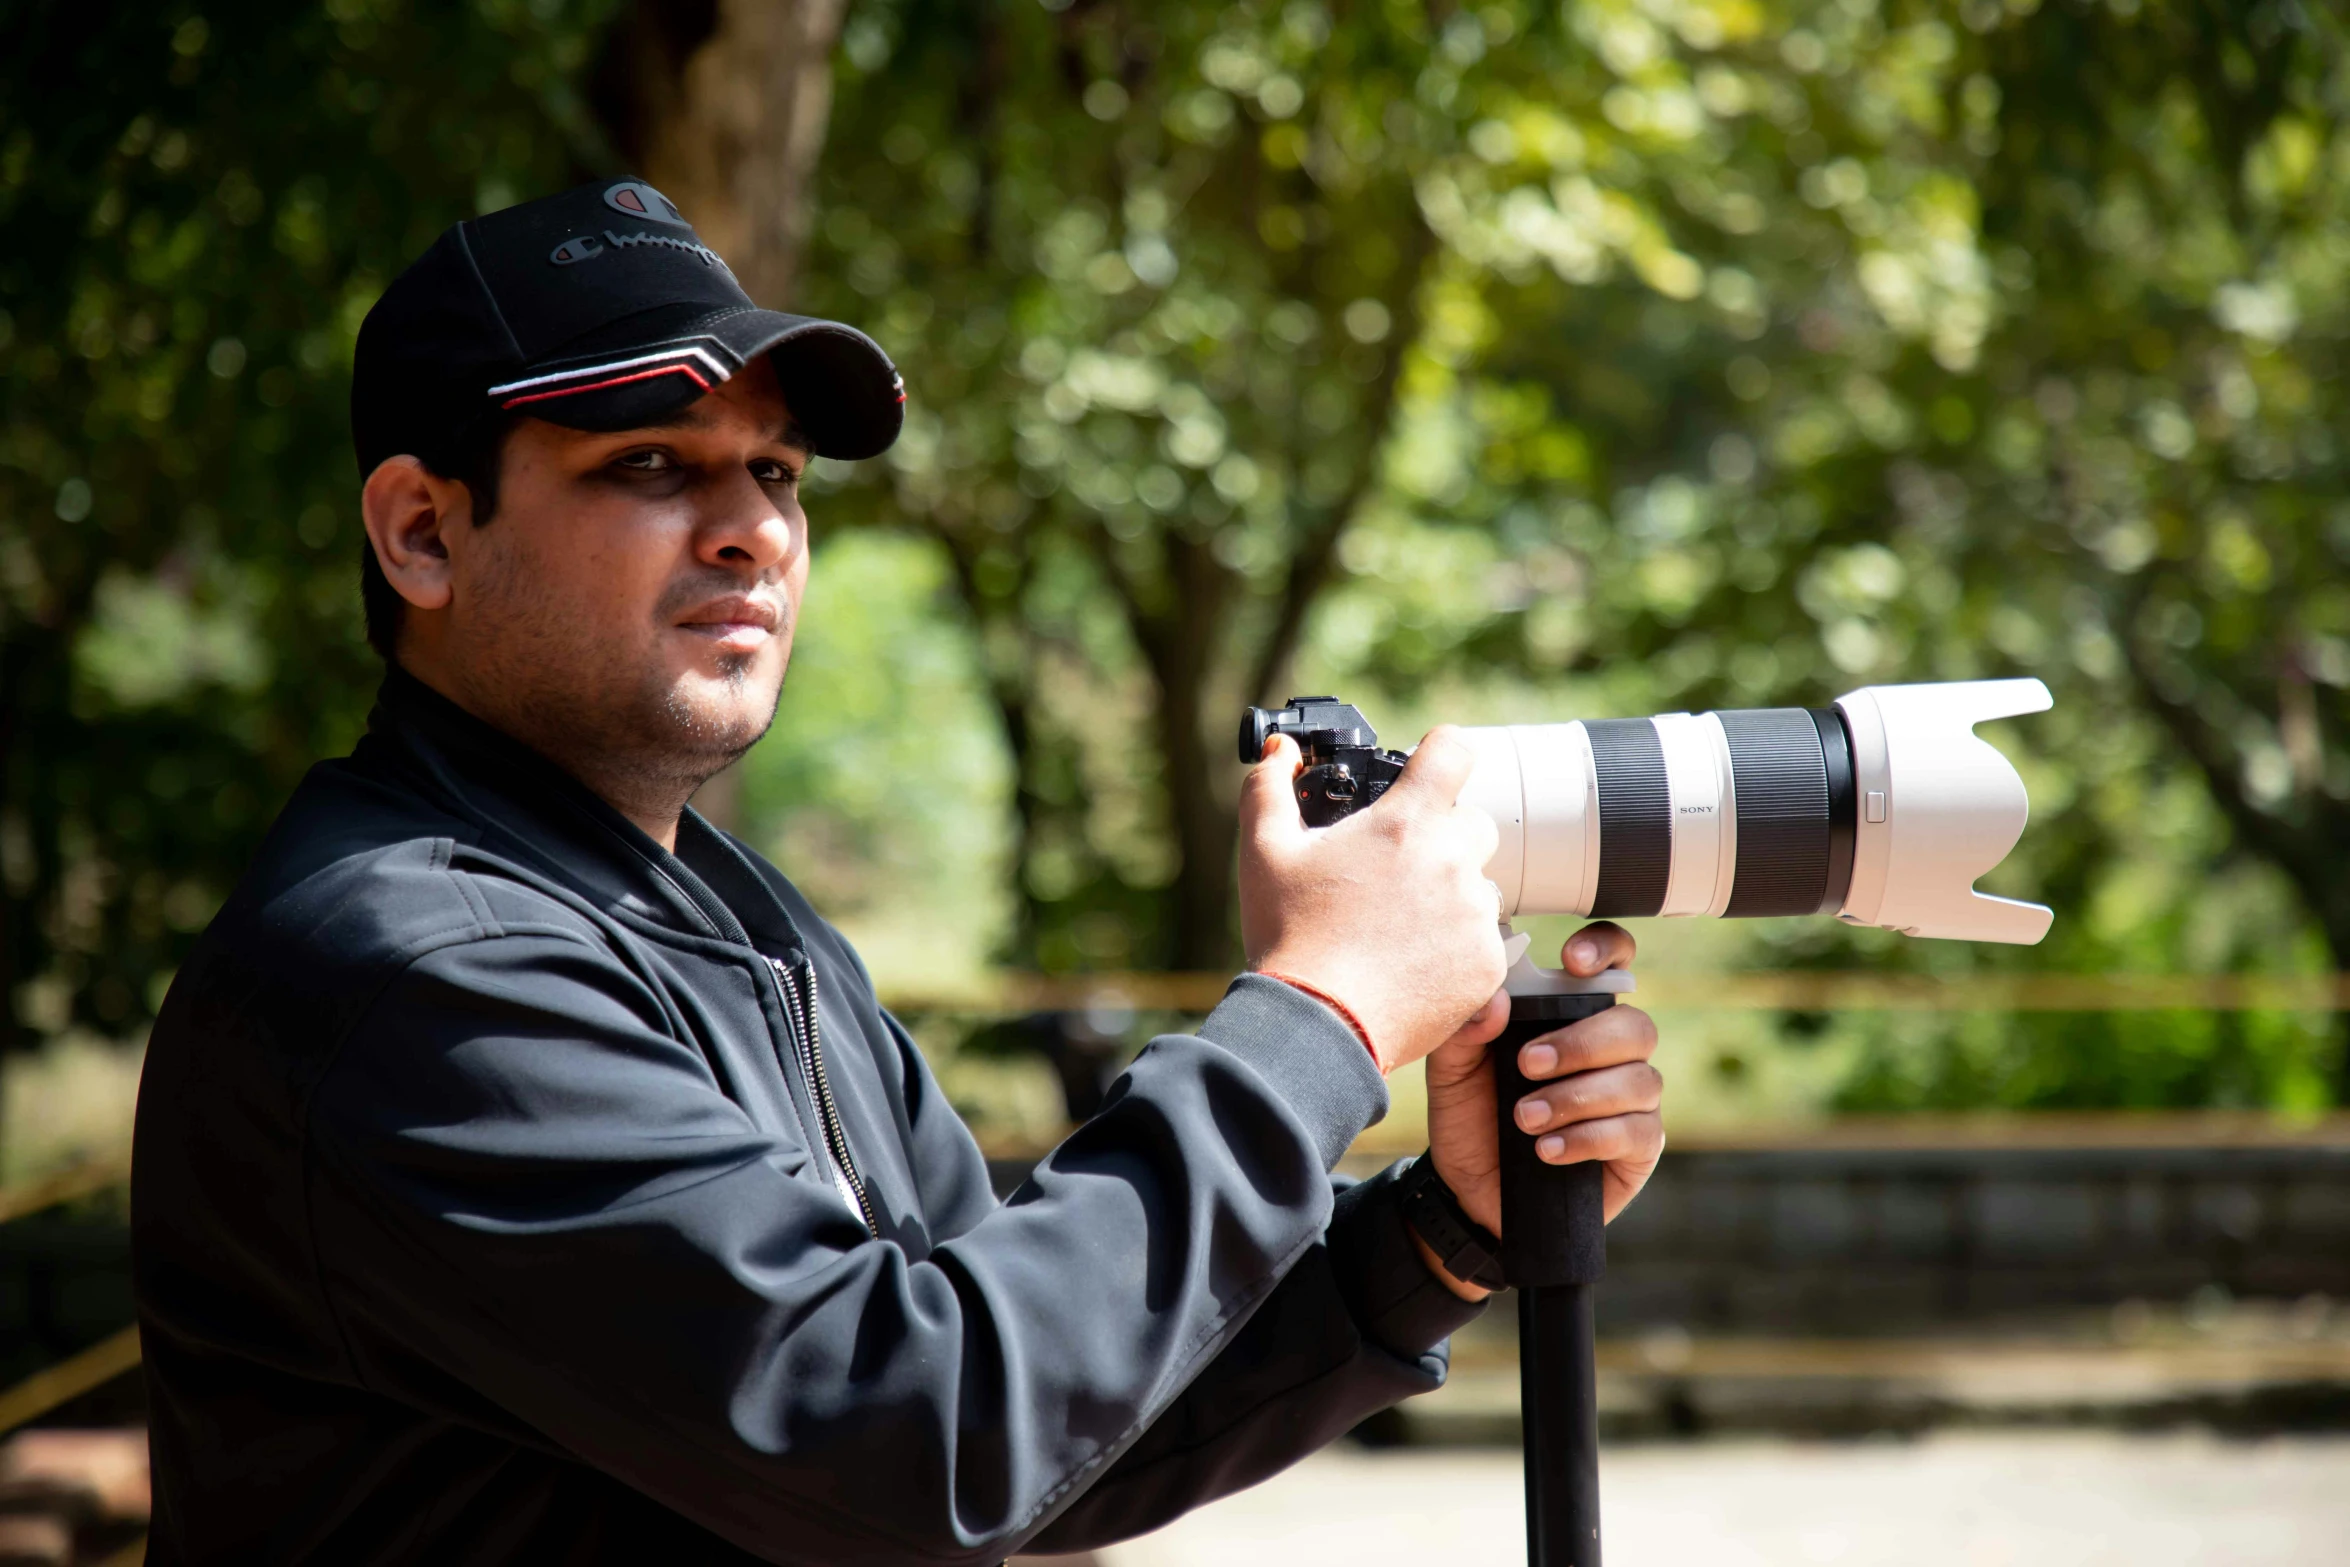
1400	1305
1345	1012
1307	1053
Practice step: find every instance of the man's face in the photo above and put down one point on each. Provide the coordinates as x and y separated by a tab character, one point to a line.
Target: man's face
629	608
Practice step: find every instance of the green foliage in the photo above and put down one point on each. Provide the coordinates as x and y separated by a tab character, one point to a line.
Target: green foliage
882	785
2074	1061
1964	343
1478	359
1755	351
202	204
1152	278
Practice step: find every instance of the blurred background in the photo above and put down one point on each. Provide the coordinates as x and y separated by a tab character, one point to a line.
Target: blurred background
1502	362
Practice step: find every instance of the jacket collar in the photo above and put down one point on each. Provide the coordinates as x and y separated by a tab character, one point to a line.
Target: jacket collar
529	807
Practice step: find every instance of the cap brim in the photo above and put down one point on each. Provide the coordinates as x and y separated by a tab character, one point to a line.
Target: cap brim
841	389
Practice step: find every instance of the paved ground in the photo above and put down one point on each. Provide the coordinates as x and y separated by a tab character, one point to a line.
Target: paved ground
2063	1499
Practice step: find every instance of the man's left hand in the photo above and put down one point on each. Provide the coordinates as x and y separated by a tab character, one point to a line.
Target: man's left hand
1599	1098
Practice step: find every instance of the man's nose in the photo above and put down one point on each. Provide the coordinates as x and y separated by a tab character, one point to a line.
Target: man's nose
743	525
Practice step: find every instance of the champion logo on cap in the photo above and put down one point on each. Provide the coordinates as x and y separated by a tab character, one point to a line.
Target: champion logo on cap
640	200
579	249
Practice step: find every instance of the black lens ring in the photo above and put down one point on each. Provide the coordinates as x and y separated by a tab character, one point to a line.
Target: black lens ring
1635	818
1783	836
1843	806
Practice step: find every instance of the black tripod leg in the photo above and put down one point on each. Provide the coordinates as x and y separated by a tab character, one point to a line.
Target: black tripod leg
1553	1250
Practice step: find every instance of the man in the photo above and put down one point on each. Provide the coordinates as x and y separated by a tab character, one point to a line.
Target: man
526	1173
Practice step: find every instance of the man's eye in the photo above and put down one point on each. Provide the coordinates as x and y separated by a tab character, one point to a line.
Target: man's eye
646	462
768	471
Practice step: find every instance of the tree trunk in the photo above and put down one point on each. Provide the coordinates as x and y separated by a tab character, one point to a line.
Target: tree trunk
723	107
1180	646
1180	641
20	887
2308	850
1205	834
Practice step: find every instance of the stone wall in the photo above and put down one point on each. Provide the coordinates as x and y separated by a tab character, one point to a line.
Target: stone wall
1909	1225
1847	1235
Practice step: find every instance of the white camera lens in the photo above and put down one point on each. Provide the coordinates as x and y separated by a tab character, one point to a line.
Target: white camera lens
1883	809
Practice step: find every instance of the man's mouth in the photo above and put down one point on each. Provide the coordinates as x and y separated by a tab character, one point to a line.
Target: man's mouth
736	624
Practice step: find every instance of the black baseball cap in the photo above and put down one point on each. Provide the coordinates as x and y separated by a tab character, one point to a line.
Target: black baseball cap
598	309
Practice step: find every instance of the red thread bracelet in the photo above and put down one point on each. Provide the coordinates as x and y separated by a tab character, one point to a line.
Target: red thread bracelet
1335	1005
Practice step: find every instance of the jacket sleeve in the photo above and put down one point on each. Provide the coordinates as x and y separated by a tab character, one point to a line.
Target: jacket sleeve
1357	1325
532	1205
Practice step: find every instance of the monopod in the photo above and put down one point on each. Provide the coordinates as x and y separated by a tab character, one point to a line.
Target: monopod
1553	1250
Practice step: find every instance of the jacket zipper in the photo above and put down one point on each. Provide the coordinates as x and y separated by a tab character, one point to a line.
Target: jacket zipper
809	1043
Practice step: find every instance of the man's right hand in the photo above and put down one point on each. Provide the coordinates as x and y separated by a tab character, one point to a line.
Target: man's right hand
1388	911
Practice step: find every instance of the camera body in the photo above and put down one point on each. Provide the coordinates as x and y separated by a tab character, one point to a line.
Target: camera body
1345	767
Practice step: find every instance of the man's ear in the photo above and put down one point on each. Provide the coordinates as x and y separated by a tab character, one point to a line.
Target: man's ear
409	512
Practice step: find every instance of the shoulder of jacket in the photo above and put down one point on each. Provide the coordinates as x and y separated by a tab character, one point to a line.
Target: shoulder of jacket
355	867
393	901
293	971
318	928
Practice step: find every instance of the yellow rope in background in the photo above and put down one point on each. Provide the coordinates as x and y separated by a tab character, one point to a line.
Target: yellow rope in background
80	1180
1788	991
44	1390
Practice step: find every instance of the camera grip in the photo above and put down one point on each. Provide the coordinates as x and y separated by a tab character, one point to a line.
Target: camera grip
1553	1222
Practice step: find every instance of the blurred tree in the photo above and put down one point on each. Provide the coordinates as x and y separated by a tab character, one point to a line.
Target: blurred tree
1737	353
1820	343
1153	272
723	104
1648	352
2185	371
203	203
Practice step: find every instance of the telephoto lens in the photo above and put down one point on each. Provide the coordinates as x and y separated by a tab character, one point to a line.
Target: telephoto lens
1881	809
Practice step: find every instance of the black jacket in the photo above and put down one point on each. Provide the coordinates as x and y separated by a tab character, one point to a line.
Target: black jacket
508	1189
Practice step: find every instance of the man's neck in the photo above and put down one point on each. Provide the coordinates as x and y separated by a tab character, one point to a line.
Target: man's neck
656	818
651	792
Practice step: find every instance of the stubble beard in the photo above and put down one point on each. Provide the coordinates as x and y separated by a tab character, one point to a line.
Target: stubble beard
646	751
662	745
703	744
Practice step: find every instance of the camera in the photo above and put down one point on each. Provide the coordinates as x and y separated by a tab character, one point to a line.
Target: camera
1882	808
